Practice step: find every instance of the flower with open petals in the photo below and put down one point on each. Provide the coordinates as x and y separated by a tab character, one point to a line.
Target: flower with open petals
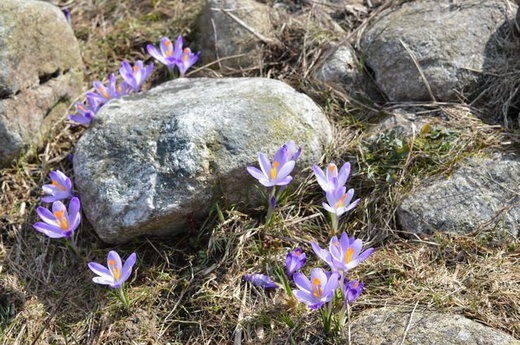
59	223
105	94
339	200
317	291
331	178
165	53
343	254
115	274
352	290
294	261
135	76
86	111
184	57
261	280
59	189
275	173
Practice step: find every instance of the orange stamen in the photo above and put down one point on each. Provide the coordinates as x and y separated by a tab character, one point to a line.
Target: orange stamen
274	170
341	201
185	56
348	257
332	168
103	91
136	69
317	290
115	270
169	50
58	185
61	220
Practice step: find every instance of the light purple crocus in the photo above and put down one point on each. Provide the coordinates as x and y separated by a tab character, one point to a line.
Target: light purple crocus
260	280
135	76
185	58
331	178
59	189
166	54
105	94
294	261
339	200
343	254
292	152
318	290
275	173
86	111
115	274
352	290
59	223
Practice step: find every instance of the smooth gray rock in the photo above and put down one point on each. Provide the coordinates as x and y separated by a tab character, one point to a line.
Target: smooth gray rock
388	325
483	191
340	65
222	35
150	162
449	40
40	72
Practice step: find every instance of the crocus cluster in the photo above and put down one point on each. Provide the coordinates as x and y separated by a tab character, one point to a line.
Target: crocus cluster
323	288
339	200
276	173
133	78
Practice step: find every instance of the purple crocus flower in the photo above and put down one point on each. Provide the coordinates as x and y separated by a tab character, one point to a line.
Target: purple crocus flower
317	291
115	274
275	173
166	53
294	261
86	112
339	200
59	189
330	178
59	223
66	13
184	57
105	94
135	76
343	254
292	152
352	290
261	280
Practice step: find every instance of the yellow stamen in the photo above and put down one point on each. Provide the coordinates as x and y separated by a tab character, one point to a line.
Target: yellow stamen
115	270
61	220
348	257
56	184
103	91
317	290
341	201
274	170
169	50
81	107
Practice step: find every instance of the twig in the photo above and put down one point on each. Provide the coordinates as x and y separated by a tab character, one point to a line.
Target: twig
423	77
409	323
250	29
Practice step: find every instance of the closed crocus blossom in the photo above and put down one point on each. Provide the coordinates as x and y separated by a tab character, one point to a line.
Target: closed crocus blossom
165	53
318	290
275	173
339	200
294	261
135	76
352	290
261	280
331	178
59	223
343	254
115	274
86	111
59	189
292	152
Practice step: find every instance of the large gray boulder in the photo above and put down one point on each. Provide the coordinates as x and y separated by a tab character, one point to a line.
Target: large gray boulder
391	326
449	41
150	162
482	192
40	72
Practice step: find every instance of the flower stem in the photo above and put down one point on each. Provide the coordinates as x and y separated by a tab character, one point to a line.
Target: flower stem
71	245
272	205
123	297
334	223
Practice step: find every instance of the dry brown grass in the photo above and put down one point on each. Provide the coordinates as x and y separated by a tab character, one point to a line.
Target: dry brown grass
189	290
